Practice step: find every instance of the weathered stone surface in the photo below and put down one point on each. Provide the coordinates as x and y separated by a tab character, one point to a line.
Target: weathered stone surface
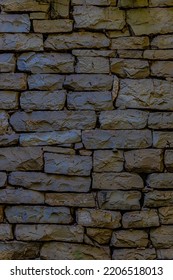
169	160
93	53
134	254
116	200
6	232
160	3
68	164
38	214
160	120
163	139
150	21
88	82
144	160
46	182
132	4
120	139
141	219
123	119
3	122
119	181
92	65
158	55
130	43
17	158
38	15
160	181
162	237
20	196
166	215
129	238
60	8
49	232
3	178
76	40
14	23
21	42
100	18
98	218
65	149
53	26
165	254
13	81
162	41
94	2
19	250
50	138
46	62
101	236
130	54
108	161
50	121
131	68
8	100
45	81
158	199
1	213
65	251
44	100
9	139
70	199
100	100
145	94
7	62
25	5
162	68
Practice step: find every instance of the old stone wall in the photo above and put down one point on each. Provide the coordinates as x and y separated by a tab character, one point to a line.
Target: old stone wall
86	129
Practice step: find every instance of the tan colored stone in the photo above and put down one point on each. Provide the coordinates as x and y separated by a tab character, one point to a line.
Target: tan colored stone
141	219
10	81
158	55
70	199
169	160
165	254
20	196
130	43
101	236
3	122
160	181
129	238
8	100
158	199
6	232
93	53
14	23
94	2
66	149
93	65
162	237
162	68
19	250
166	215
130	54
38	15
162	41
132	4
160	120
134	254
53	26
108	161
163	139
131	68
160	3
25	5
1	214
60	8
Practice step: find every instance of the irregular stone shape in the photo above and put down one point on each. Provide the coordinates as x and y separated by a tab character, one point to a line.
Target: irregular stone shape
66	149
50	121
68	164
158	199
20	196
38	214
21	42
1	214
9	139
145	161
162	41
76	40
132	4
10	81
160	181
25	6
70	199
116	200
119	181
123	119
165	254
98	218
49	232
166	215
46	182
162	68
92	65
50	138
100	100
93	53
162	237
44	100
107	161
150	21
158	54
120	139
160	120
101	236
145	94
6	232
141	219
131	68
3	178
83	82
17	158
3	122
130	53
19	250
14	23
100	18
53	26
7	62
163	139
169	160
8	100
129	238
45	81
130	43
67	251
60	8
46	62
160	3
134	254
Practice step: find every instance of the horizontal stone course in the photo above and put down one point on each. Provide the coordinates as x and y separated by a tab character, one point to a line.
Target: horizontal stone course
53	26
70	199
14	23
16	250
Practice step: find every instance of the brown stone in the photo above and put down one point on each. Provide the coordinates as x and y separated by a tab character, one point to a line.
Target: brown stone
25	6
162	237
130	43
1	213
70	199
108	161
8	100
134	254
141	219
169	160
20	196
13	81
53	26
129	238
6	232
162	68
158	199
19	250
101	236
3	178
160	181
166	215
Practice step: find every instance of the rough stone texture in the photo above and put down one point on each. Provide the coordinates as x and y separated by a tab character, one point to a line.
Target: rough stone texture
25	5
108	161
70	199
162	68
141	219
46	81
132	4
3	122
14	23
19	250
160	181
165	254
8	100
160	3
158	198
169	160
53	26
7	62
134	254
6	232
129	238
20	196
163	139
60	8
1	213
158	54
13	81
130	43
92	65
162	41
131	68
3	178
162	237
101	236
166	215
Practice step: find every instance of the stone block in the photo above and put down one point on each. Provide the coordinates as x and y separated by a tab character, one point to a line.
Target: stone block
101	236
134	254
160	120
1	214
20	196
158	199
130	54
129	238
13	81
132	4
3	179
141	219
3	122
91	65
160	181
168	158
94	2
70	199
162	237
131	68
158	55
25	6
162	68
9	139
160	3
19	250
7	62
93	53
162	41
163	139
165	254
14	23
131	43
6	232
53	26
46	81
166	215
8	100
108	161
60	8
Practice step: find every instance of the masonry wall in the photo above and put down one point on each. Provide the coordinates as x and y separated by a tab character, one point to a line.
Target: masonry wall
86	129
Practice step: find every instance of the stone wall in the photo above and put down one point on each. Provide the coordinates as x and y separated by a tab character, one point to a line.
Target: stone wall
86	129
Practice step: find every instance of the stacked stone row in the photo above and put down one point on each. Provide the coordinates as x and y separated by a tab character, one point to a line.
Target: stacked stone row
86	129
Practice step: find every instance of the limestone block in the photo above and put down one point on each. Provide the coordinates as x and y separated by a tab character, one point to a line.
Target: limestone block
134	254
132	4
158	54
130	43
8	100
160	181
38	15
3	178
25	5
162	237
165	254
162	41
20	196
160	120
45	81
160	3
60	8
13	81
94	2
129	238
93	53
3	122
98	218
53	26
140	219
14	23
19	250
9	139
130	53
6	232
166	215
101	236
169	160
108	161
158	199
70	199
162	139
92	65
162	68
131	68
7	62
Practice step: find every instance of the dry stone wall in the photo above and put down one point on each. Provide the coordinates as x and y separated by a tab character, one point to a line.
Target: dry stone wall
86	129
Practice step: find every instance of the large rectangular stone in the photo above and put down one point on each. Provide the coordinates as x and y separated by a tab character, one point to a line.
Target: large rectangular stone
134	254
92	65
158	198
160	120
108	161
94	2
68	164
129	238
7	62
166	215
15	250
141	219
130	43
165	254
158	55
8	100
160	3
70	199
20	196
14	23
24	6
18	158
54	120
45	81
1	214
162	41
162	237
53	26
60	8
101	235
13	81
132	4
162	68
120	139
160	180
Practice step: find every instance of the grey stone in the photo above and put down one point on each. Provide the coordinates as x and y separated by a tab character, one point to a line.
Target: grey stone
14	23
160	120
20	196
134	254
141	219
53	26
165	254
163	139
162	68
162	41
130	43
108	161
3	122
162	237
19	250
169	160
9	139
45	81
129	238
160	181
93	53
158	55
6	232
158	198
7	62
25	6
93	65
70	199
3	178
8	100
13	81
